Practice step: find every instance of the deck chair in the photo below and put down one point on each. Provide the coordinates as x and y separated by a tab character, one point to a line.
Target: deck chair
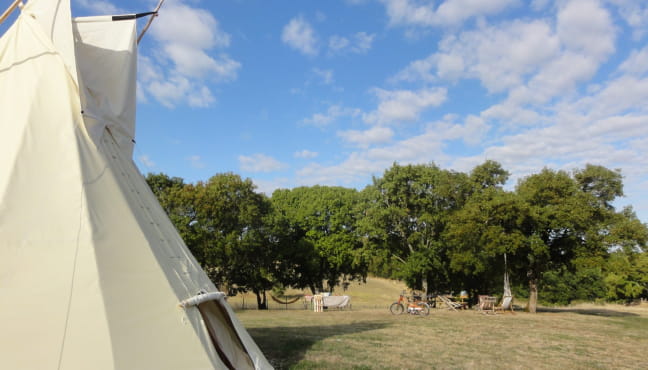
452	305
506	305
486	304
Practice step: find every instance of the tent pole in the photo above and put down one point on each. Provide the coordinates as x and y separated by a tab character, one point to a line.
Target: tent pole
148	24
9	10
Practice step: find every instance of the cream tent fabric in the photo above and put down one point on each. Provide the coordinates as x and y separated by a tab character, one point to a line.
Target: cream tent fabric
92	272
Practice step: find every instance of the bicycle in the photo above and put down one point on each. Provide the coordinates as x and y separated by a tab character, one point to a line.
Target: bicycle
415	306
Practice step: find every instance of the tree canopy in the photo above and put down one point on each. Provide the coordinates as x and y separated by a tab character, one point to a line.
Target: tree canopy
435	229
324	220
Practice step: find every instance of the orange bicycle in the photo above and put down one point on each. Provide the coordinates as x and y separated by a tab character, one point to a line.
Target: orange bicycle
414	304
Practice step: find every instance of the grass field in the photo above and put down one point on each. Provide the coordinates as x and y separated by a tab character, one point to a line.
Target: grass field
369	337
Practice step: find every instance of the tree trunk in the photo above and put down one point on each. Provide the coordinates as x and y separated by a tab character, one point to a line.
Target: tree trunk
262	300
533	295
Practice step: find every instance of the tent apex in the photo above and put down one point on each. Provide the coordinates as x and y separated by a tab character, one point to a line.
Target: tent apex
153	14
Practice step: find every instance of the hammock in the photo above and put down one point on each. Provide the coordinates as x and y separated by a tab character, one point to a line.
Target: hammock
286	301
507	297
507	286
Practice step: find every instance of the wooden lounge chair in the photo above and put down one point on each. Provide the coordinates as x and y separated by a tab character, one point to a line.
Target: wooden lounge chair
486	304
452	305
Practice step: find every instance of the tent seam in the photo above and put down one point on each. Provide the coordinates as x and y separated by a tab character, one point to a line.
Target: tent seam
74	268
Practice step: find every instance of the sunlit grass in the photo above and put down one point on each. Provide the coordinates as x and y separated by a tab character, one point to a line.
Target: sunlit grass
369	337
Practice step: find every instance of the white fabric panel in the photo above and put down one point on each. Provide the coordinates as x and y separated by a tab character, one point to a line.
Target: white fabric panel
337	301
55	19
224	335
260	362
143	273
91	268
106	60
42	207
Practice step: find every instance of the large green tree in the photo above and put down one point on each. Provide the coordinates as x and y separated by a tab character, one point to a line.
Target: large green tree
166	190
626	271
430	227
408	209
575	225
561	215
490	224
223	222
327	247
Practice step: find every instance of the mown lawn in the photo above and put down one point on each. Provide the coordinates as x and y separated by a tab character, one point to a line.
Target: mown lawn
369	337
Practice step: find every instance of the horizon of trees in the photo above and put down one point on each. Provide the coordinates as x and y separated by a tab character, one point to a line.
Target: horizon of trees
437	230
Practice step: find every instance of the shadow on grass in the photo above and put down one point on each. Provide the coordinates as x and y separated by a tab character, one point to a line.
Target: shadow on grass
284	347
589	311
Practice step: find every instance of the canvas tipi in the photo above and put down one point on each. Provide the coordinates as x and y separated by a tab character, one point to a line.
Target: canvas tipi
93	274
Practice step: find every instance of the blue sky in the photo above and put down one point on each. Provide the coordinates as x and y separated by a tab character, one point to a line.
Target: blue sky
297	92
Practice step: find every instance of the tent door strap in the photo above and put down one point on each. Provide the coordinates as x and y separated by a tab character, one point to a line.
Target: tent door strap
200	298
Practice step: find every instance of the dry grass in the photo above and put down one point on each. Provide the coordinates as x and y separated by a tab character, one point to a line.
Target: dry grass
581	337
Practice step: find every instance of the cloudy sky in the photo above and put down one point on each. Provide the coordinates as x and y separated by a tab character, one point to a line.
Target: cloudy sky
304	92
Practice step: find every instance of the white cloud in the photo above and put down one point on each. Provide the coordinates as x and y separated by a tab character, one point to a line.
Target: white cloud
511	113
326	75
185	61
620	96
452	12
558	77
358	166
533	61
500	56
177	88
539	5
305	154
201	98
404	105
141	93
448	13
608	127
426	147
421	70
300	35
337	43
635	13
189	26
366	138
260	163
146	161
332	113
360	43
196	63
585	27
187	34
637	62
471	132
99	7
267	187
196	161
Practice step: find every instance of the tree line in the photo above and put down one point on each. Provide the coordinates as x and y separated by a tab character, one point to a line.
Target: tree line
435	229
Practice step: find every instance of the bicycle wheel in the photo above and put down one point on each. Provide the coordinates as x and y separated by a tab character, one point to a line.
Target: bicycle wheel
396	308
425	309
